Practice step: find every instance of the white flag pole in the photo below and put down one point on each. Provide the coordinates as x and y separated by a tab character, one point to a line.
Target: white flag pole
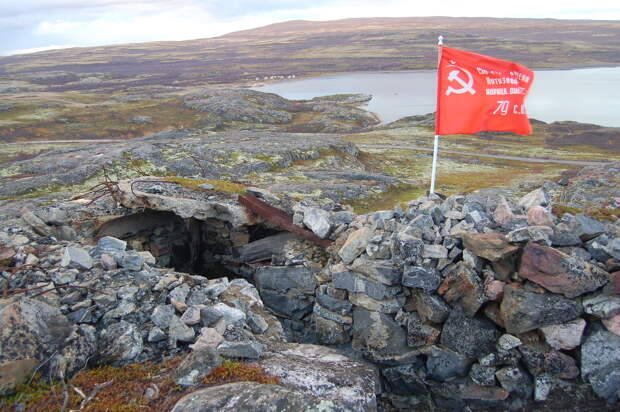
436	143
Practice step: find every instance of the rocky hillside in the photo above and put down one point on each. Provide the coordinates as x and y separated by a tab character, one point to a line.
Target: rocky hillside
305	47
489	300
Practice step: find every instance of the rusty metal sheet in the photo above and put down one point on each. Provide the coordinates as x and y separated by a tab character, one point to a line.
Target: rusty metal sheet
280	219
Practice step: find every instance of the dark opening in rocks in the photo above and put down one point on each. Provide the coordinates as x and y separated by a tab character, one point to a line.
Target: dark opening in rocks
212	248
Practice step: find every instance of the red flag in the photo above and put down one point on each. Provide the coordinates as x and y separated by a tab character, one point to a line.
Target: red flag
479	93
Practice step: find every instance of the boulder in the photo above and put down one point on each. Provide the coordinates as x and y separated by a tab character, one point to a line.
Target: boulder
354	283
585	227
407	248
602	306
420	334
523	310
600	363
444	364
431	308
490	246
324	373
406	379
246	350
381	271
559	272
250	396
377	334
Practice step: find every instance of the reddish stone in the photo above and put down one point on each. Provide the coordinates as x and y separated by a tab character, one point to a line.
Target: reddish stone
559	272
6	253
539	216
613	324
492	311
503	212
565	335
474	392
494	289
463	287
614	283
490	246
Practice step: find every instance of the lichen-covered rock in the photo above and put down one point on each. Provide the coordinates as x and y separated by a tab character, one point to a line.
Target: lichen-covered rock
121	343
196	366
559	272
523	310
324	373
472	337
600	363
30	332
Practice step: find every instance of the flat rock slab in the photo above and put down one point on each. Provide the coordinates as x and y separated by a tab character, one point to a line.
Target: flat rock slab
490	246
559	272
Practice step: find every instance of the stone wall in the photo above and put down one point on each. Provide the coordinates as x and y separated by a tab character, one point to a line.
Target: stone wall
472	300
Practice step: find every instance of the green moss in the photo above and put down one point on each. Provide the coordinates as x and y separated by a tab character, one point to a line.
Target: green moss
219	185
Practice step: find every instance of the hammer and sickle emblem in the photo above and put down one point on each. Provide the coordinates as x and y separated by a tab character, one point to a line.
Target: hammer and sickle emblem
466	85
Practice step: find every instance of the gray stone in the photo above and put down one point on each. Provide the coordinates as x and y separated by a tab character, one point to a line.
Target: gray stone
36	223
523	310
179	331
431	308
585	227
376	334
54	216
246	350
327	374
564	238
120	343
406	379
64	277
191	316
407	248
357	284
482	375
317	220
196	366
290	304
330	332
284	278
529	234
600	362
421	278
231	315
472	337
333	316
515	380
75	257
435	252
472	261
335	305
376	270
109	243
602	306
444	364
386	306
542	387
256	322
108	262
215	287
156	335
250	396
161	316
179	294
507	342
209	315
613	248
131	261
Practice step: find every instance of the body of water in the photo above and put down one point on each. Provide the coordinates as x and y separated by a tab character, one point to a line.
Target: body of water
582	95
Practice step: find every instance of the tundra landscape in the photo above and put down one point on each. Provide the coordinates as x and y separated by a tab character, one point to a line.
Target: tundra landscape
173	240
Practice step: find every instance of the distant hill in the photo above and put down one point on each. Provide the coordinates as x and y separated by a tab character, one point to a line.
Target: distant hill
307	47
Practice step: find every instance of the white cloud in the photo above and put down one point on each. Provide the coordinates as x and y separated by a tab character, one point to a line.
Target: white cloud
37	49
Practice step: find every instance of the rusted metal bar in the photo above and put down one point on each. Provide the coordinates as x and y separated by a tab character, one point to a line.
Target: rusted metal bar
280	219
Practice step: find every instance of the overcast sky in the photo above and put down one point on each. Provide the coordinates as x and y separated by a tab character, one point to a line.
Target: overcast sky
32	25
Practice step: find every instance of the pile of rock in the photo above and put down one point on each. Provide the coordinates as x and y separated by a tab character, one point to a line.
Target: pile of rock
474	300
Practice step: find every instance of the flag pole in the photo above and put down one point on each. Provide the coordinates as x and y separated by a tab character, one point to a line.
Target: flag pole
436	143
